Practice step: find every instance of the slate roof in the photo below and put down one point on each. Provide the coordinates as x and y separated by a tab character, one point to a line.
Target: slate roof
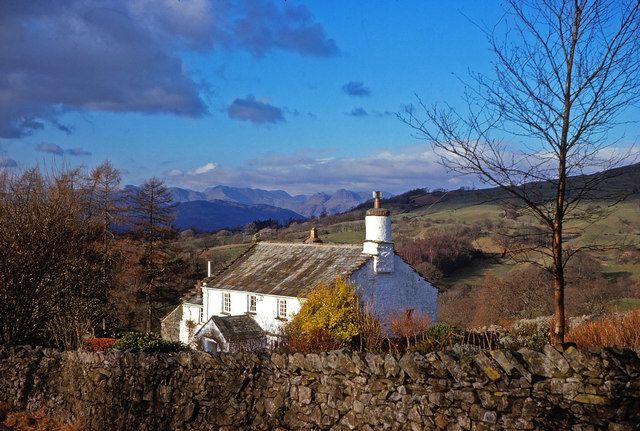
288	269
238	328
195	299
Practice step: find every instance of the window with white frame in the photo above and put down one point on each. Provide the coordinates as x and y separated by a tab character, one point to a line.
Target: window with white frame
226	302
201	314
252	303
282	308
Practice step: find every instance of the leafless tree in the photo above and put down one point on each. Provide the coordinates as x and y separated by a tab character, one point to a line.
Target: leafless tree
106	209
48	270
152	211
564	74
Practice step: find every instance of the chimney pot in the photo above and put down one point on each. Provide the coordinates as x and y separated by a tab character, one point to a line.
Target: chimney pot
376	199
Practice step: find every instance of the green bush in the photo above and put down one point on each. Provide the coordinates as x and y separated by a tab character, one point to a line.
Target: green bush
148	342
438	337
529	333
441	330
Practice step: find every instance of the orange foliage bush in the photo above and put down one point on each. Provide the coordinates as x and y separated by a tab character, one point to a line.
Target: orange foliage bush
317	340
99	344
30	421
612	331
408	324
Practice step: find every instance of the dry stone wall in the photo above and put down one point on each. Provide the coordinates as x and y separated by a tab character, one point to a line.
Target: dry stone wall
479	390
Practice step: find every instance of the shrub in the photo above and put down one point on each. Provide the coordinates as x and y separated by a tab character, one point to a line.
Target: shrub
525	292
16	420
148	342
612	331
371	332
530	333
317	340
445	251
408	324
332	309
99	344
457	305
437	337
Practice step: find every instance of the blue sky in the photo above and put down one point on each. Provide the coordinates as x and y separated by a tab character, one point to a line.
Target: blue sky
288	95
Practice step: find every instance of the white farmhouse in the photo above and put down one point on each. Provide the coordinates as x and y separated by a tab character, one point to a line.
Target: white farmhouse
267	284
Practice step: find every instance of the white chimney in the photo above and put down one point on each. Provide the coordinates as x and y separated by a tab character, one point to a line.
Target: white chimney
378	241
209	268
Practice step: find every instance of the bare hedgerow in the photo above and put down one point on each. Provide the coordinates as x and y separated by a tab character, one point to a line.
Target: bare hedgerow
611	331
408	324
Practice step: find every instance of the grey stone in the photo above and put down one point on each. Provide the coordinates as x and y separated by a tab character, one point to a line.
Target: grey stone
415	365
304	395
538	363
391	368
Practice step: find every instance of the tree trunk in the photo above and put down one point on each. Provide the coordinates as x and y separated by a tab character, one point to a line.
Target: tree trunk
557	331
149	309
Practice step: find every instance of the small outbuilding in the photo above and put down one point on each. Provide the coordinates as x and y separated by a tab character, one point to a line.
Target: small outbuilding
230	334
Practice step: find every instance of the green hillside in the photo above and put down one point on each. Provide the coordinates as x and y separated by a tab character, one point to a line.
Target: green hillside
483	215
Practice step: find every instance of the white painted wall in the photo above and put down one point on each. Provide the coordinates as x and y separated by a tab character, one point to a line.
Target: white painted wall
378	243
190	313
266	307
397	291
378	228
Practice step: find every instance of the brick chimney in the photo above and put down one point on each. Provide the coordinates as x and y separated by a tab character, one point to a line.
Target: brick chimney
378	241
314	237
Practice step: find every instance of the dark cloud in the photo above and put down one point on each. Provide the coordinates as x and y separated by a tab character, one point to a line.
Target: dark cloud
354	88
250	109
47	147
6	162
261	25
358	112
78	152
124	56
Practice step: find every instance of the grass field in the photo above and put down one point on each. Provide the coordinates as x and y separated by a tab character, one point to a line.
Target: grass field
624	304
619	225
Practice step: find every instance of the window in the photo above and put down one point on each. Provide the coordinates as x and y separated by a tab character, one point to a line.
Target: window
201	314
252	303
226	302
282	308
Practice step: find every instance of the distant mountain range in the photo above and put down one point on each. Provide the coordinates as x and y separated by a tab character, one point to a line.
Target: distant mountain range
207	216
222	207
307	205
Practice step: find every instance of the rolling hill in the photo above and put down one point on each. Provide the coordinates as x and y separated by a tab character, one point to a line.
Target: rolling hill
207	216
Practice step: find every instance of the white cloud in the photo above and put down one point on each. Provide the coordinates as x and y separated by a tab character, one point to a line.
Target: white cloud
175	173
205	168
396	171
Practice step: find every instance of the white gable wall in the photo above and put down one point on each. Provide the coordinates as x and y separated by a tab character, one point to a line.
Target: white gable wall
190	322
397	291
266	314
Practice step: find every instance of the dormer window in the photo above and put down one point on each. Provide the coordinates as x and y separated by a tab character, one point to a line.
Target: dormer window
226	302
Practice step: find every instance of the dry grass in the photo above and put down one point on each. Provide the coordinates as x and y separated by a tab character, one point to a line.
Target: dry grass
612	331
30	421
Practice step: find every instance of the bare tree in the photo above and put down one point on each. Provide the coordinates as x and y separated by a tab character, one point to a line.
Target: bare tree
106	205
152	211
564	73
47	260
106	209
